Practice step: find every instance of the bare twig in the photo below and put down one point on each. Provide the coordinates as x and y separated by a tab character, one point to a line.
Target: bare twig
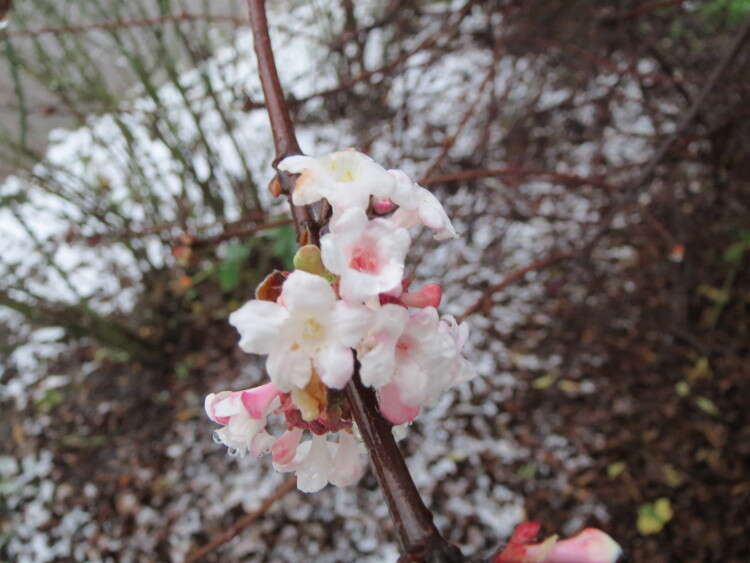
239	233
235	529
464	175
428	42
630	192
450	140
143	22
486	298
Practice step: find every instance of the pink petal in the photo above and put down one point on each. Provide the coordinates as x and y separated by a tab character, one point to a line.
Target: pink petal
392	408
256	400
588	546
285	448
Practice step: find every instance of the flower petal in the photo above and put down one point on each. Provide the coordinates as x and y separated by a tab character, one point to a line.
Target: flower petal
288	368
312	473
349	322
305	292
285	448
258	323
257	400
393	408
335	365
588	546
210	405
348	464
377	352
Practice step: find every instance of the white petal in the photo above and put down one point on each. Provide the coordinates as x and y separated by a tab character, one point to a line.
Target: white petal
349	323
258	323
288	368
210	405
412	382
261	443
229	406
431	210
378	365
357	286
348	462
305	292
297	163
393	241
377	351
405	218
405	190
331	253
335	364
312	474
311	185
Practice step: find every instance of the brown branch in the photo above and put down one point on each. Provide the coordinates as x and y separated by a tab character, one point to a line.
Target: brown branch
122	24
285	141
418	538
238	233
464	175
417	535
642	10
234	530
450	140
486	298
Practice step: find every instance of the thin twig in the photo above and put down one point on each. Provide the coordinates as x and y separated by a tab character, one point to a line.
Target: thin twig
631	191
235	529
486	298
143	22
449	141
239	233
464	175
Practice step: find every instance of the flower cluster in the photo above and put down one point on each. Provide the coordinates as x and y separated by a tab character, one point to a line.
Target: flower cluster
345	302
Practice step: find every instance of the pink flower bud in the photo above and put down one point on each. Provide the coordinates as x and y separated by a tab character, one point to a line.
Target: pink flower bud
382	205
393	408
429	296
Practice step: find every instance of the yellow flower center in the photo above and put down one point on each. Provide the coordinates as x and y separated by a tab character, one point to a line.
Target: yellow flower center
312	330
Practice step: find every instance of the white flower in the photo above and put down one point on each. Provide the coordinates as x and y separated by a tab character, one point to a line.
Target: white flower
345	178
308	328
368	255
418	205
412	359
243	416
318	462
424	355
461	369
